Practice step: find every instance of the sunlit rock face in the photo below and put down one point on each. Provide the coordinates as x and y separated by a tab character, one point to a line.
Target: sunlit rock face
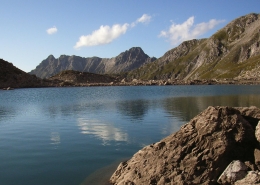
198	153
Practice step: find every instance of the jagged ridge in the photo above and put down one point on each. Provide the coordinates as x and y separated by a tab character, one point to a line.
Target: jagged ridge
125	61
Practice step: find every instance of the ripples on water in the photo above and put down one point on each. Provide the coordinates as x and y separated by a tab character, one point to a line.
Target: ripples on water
76	135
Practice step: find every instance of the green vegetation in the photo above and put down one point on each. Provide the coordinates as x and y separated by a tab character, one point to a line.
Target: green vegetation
221	35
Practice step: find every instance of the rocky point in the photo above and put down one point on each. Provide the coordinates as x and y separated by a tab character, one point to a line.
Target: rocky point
200	152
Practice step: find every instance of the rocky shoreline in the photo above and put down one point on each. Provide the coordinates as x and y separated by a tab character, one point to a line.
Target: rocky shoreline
134	82
221	145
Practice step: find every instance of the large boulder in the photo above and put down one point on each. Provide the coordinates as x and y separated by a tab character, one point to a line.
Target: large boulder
198	153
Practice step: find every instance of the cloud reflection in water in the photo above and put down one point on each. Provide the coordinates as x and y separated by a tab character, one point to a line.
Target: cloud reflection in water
55	139
104	131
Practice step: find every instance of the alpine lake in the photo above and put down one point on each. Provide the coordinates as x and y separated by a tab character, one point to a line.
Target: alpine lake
79	135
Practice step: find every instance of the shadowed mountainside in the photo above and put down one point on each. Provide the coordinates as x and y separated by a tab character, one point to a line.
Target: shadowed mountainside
11	76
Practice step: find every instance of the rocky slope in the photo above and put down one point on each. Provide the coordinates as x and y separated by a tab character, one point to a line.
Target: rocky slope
200	152
125	61
76	78
10	76
232	52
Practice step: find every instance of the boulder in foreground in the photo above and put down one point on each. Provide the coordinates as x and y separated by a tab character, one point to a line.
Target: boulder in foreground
198	153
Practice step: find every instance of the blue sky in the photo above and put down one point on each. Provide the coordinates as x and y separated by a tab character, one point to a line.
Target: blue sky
31	30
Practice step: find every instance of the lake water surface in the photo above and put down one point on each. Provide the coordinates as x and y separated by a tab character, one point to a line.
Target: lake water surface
77	136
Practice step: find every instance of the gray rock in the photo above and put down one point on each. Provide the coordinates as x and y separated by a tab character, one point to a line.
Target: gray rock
236	170
125	61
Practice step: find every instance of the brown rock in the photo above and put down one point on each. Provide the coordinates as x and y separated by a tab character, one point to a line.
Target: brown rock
257	157
252	178
257	132
235	171
198	153
251	166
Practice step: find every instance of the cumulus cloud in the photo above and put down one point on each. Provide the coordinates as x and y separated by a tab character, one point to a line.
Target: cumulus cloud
104	35
144	19
178	33
52	30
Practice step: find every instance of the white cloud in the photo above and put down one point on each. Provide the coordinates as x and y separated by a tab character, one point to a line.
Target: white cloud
144	19
178	33
107	34
104	35
52	30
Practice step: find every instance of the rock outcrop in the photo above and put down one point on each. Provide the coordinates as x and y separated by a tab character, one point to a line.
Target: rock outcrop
125	61
199	152
76	78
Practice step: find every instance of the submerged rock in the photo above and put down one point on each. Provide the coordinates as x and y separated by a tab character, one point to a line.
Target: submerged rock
198	153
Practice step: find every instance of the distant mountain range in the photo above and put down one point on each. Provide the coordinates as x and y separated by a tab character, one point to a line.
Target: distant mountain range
232	52
125	61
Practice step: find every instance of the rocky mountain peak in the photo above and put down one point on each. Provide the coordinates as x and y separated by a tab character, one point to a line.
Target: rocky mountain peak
125	61
132	53
50	57
136	50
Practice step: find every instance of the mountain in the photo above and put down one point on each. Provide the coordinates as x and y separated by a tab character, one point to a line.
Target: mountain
232	52
125	61
10	76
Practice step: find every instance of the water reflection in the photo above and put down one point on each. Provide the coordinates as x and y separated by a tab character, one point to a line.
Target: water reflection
104	131
186	108
135	109
6	113
55	138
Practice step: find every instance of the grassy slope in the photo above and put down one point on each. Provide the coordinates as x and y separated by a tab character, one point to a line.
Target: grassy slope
225	64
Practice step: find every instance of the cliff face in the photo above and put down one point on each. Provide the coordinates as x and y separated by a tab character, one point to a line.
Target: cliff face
126	61
232	52
10	76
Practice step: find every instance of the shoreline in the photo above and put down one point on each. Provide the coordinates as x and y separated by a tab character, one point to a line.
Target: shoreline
135	82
